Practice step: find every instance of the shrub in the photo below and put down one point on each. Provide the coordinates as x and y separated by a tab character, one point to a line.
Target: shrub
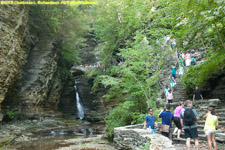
11	114
201	74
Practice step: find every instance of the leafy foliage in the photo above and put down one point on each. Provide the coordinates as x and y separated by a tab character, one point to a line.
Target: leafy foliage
201	74
65	24
133	66
11	114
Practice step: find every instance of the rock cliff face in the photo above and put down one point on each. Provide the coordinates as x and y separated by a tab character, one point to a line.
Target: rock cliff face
31	73
216	88
13	45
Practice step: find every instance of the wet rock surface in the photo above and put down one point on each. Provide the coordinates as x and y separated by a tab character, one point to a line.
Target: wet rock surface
53	133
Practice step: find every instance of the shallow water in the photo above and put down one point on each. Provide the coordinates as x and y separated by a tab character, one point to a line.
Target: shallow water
58	138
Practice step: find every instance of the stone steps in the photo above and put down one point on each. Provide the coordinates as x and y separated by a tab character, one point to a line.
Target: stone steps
220	137
183	141
220	123
201	136
221	118
220	110
201	126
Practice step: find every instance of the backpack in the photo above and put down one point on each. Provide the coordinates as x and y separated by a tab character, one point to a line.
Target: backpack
189	117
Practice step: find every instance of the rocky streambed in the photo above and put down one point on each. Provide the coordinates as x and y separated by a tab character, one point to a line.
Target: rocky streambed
53	134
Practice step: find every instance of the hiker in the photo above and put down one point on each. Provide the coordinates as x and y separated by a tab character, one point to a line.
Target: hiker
193	62
172	82
166	90
179	55
149	123
181	70
177	119
183	56
188	117
173	43
167	118
145	40
210	127
188	59
169	97
173	71
181	61
167	39
197	94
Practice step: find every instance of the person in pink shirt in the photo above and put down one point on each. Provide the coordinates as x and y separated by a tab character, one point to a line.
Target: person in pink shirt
177	119
188	59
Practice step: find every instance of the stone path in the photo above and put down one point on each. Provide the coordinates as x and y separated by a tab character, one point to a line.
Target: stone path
159	142
202	146
201	106
133	137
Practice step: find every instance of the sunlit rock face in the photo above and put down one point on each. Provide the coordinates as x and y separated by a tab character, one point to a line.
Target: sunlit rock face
13	45
31	74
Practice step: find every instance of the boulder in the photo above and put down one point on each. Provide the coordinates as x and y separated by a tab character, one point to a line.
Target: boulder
77	72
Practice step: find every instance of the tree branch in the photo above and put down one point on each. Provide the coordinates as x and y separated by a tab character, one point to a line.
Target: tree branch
221	39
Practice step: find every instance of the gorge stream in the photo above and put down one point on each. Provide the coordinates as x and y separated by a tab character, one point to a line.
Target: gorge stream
45	102
56	130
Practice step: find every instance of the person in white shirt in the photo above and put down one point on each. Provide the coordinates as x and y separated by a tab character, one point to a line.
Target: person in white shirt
169	97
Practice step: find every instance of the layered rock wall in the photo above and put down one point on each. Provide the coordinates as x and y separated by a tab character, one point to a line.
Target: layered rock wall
31	71
13	45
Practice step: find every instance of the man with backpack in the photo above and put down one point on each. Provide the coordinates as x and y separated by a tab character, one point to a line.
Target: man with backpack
188	117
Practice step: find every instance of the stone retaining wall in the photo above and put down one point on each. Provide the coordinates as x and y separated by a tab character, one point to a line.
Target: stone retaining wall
134	136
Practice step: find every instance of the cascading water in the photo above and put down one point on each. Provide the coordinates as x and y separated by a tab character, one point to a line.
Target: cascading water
80	107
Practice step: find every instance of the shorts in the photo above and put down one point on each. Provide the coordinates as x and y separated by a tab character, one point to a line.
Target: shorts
174	76
172	84
191	133
169	135
177	122
209	132
170	101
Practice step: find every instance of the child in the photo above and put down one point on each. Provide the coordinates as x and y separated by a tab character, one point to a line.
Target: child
210	127
150	121
166	90
181	70
172	82
169	97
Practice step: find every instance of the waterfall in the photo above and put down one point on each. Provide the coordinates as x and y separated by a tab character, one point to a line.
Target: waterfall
80	107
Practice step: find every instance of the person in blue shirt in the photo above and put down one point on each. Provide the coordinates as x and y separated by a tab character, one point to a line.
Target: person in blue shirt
166	90
193	62
167	118
150	120
173	71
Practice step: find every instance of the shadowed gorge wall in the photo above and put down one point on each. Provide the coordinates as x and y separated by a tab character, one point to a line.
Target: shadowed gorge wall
33	70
